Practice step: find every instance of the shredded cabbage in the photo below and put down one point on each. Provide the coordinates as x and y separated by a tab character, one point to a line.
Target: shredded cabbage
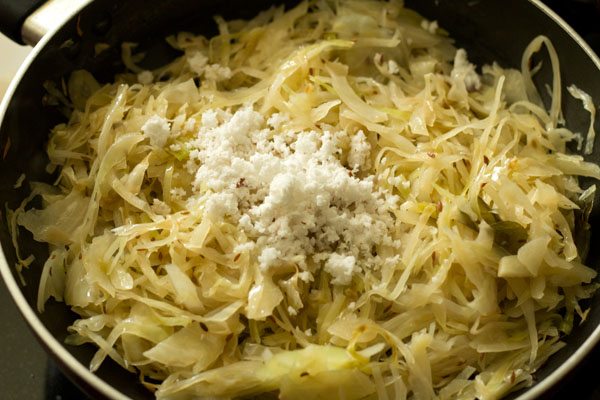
469	276
588	104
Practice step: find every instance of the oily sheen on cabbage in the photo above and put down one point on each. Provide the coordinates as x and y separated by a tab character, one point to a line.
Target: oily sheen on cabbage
328	201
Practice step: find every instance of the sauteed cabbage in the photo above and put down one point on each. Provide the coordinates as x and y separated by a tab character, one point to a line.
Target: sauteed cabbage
329	201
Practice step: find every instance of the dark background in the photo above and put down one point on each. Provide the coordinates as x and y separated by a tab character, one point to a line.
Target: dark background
26	372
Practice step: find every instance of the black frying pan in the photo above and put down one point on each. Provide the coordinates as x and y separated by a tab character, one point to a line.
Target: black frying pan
491	30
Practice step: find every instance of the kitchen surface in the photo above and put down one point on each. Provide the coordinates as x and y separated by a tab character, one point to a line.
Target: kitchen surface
28	373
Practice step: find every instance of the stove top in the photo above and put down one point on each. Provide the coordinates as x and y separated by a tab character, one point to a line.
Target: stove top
28	373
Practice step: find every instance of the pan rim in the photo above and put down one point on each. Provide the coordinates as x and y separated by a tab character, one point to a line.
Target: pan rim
59	351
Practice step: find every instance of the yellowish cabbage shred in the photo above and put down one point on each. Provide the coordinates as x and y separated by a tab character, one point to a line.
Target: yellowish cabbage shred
488	278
